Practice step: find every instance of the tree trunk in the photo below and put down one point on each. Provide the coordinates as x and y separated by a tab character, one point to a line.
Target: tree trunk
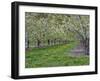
48	42
26	40
86	46
59	41
28	44
38	43
54	41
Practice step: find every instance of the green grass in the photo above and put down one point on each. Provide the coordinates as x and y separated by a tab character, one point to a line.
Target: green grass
53	56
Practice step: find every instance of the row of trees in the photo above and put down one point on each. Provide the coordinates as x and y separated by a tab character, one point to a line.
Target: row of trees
44	29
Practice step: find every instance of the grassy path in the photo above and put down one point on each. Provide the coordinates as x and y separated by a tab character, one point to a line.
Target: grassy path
53	56
77	51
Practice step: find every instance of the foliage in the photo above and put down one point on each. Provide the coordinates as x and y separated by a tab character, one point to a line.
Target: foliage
42	27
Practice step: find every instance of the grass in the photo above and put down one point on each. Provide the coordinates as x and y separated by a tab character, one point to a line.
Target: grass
53	56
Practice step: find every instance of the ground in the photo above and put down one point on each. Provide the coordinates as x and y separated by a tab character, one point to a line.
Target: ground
58	55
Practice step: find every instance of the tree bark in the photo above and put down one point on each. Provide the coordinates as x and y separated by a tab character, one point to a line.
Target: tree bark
28	44
48	42
85	44
38	43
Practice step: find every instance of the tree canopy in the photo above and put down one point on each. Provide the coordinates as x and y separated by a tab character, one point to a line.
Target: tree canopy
44	29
